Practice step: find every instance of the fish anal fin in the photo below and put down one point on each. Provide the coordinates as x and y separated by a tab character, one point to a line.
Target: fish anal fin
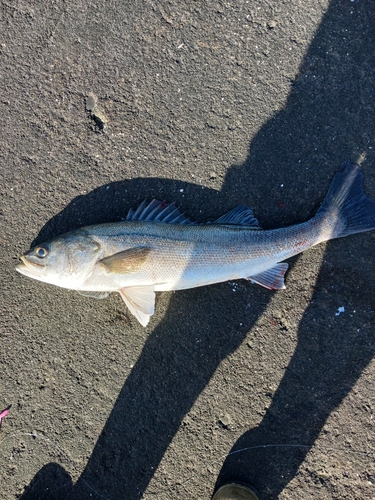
239	216
272	278
94	295
127	261
140	301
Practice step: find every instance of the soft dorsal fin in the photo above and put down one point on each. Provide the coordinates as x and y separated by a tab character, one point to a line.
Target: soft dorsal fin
94	295
140	301
273	278
127	261
239	216
158	211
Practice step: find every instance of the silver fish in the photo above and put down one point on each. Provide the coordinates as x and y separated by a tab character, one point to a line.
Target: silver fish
157	248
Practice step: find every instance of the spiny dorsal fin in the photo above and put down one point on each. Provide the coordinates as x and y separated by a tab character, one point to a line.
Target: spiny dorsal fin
273	278
127	261
158	211
140	301
94	295
239	216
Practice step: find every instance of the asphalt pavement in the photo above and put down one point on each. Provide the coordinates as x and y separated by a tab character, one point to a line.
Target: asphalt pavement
210	105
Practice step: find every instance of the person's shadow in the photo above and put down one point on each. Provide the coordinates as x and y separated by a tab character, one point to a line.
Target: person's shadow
328	118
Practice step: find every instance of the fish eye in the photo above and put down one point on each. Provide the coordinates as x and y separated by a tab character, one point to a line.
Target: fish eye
41	252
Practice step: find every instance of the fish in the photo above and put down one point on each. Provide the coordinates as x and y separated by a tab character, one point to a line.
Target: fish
158	248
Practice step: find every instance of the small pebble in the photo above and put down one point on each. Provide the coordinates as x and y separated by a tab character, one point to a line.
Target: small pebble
340	310
225	419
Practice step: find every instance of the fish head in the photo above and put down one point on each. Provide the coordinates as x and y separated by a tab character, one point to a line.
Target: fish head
64	261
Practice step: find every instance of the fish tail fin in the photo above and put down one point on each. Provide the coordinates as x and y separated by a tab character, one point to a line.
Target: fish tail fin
346	207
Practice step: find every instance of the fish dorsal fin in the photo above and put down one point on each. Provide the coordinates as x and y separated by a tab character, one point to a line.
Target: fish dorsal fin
94	295
239	216
273	278
140	301
158	211
127	261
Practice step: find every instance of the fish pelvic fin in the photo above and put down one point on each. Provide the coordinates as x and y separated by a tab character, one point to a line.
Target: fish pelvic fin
347	207
140	301
94	295
272	278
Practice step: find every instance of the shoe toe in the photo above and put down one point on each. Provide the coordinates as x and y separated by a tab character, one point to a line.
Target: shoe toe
235	491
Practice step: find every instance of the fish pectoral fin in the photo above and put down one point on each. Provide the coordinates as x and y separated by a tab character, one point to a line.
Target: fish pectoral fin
140	301
272	278
95	295
127	261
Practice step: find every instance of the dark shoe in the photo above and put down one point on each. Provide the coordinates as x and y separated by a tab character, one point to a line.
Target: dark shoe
235	491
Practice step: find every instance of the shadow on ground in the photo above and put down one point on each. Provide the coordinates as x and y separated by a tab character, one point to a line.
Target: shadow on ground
329	112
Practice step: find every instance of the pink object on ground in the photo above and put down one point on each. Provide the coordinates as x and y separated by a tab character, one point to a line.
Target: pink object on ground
4	413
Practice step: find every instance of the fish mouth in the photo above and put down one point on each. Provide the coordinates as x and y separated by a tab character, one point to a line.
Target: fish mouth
28	268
